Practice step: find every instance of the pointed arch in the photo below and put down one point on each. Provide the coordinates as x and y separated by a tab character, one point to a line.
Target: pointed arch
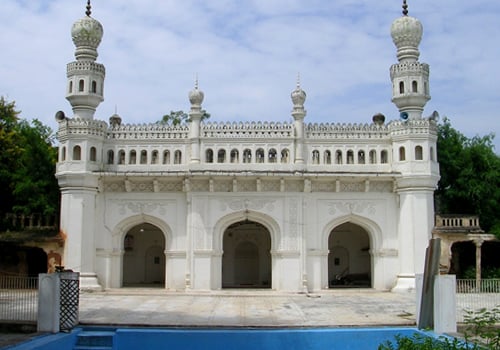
121	229
372	228
374	236
265	220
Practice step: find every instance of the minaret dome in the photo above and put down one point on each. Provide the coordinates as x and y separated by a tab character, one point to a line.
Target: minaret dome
406	34
87	34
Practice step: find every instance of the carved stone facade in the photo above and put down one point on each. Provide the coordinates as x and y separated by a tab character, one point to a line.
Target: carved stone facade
258	205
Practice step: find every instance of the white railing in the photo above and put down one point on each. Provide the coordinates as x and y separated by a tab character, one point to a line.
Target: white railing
18	299
473	297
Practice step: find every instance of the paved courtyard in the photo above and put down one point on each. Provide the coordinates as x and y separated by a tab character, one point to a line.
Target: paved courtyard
246	308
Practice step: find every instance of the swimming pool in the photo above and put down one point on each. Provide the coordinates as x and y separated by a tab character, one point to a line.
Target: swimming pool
217	338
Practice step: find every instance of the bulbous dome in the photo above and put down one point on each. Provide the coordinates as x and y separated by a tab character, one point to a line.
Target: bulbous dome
406	31
115	120
87	35
196	96
298	96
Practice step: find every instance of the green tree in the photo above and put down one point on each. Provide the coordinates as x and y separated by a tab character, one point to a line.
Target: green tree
35	187
10	146
180	117
27	165
470	176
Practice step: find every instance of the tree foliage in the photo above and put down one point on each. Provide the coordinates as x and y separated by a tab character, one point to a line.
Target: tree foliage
180	117
27	165
470	176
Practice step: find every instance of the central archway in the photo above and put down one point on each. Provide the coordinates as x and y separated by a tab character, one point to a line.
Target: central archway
246	259
349	261
144	257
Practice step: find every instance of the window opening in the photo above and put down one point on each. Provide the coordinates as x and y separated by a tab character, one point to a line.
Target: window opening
77	153
285	156
221	156
247	156
133	157
166	157
111	157
272	156
373	157
154	157
361	157
419	154
93	154
177	157
327	157
234	156
209	156
402	154
259	155
144	157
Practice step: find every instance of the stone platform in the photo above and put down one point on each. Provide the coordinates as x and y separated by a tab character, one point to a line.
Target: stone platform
246	308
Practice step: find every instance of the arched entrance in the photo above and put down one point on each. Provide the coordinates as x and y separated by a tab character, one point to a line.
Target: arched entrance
144	257
246	259
349	262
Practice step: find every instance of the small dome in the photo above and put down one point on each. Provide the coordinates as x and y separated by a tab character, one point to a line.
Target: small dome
196	96
378	119
298	96
115	120
87	35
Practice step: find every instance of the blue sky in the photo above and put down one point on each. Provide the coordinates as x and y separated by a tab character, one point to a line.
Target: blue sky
247	55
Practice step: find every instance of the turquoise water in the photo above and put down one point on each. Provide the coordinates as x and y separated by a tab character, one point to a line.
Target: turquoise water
218	338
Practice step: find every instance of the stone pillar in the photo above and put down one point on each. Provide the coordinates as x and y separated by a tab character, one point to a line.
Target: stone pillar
445	305
478	243
298	114
78	210
48	302
195	114
416	219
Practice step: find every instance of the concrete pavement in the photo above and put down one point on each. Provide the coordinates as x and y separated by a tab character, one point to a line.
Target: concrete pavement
246	308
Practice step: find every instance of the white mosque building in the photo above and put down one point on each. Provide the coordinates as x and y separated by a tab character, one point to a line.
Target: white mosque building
295	207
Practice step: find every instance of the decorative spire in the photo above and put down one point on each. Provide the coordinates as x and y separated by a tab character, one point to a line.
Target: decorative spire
298	98
89	7
196	96
405	8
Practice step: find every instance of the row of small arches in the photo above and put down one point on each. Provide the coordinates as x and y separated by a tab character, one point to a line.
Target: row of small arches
414	87
359	157
81	86
133	158
272	156
350	157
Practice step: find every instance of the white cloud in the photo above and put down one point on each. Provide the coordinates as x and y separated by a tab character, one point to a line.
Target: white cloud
247	55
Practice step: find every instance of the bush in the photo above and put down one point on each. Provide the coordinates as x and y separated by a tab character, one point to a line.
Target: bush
422	342
483	327
482	331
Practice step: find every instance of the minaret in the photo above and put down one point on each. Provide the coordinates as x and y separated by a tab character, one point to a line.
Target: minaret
298	113
85	76
195	114
410	78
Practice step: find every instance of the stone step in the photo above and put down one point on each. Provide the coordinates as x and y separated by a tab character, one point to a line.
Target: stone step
94	339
